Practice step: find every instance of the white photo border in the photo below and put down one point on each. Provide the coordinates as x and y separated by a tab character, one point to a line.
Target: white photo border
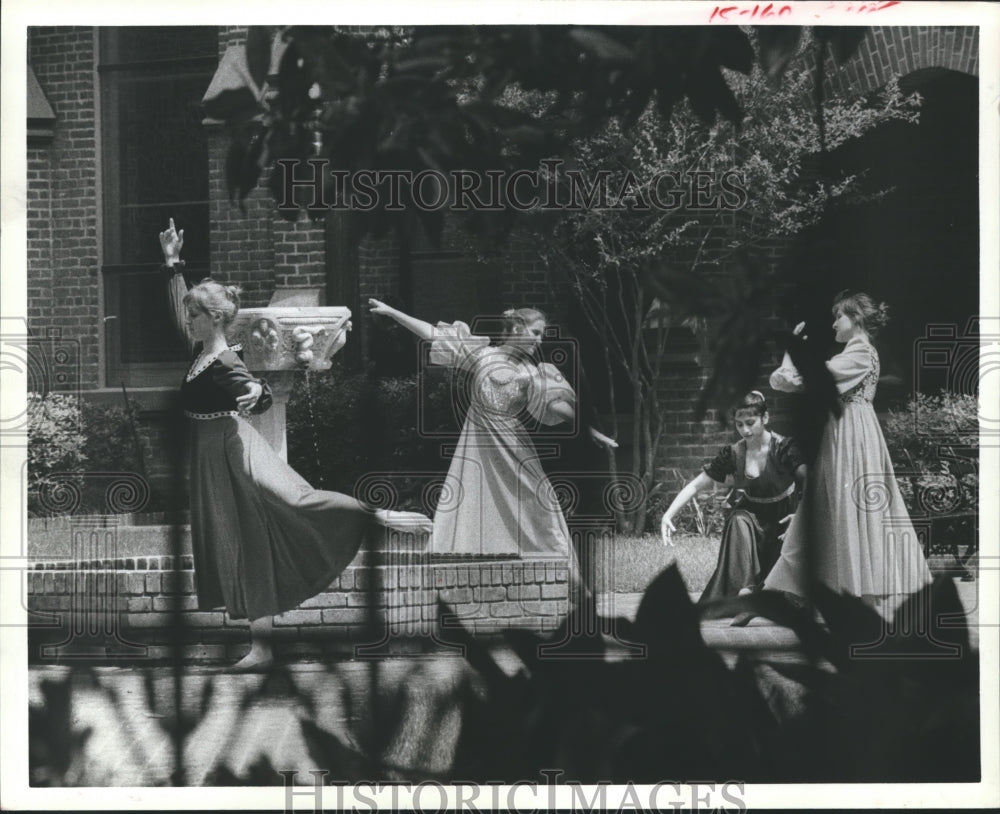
18	15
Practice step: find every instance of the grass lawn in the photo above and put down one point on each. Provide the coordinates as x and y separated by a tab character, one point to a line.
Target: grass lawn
630	563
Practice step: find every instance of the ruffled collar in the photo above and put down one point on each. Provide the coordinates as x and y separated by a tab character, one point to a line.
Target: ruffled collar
202	363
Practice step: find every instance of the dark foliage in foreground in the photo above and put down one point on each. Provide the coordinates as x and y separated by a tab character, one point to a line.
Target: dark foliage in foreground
870	703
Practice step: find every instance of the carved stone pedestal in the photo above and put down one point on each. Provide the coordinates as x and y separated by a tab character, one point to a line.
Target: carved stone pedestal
271	424
277	342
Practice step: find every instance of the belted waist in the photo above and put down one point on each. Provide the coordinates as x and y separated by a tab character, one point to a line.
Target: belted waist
209	416
790	490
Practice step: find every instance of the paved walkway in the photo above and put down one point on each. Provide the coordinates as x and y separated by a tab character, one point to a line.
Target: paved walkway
246	727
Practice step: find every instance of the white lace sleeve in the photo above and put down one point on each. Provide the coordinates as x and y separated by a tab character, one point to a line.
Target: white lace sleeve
851	365
787	379
548	386
452	344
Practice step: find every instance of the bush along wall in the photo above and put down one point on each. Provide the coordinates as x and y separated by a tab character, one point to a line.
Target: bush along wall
84	458
934	444
377	437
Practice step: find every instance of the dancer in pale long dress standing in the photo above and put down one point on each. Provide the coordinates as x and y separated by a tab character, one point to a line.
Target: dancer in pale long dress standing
868	546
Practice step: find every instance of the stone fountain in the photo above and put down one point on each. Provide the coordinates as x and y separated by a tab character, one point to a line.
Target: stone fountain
282	339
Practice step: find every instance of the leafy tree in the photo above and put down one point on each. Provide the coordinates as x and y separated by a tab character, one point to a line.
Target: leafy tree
434	97
504	98
697	199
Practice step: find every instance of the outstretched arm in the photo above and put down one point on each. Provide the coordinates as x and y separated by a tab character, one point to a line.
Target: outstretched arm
800	479
562	410
231	375
703	481
171	242
602	439
422	329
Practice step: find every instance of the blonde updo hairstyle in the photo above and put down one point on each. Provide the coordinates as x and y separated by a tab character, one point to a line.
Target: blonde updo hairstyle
215	298
862	310
520	318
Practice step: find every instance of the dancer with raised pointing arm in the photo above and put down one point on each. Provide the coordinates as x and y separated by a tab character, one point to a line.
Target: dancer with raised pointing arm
498	499
263	539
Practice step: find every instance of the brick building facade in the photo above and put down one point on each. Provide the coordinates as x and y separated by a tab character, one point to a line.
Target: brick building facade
81	275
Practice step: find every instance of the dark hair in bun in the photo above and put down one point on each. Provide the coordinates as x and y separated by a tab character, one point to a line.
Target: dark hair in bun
754	402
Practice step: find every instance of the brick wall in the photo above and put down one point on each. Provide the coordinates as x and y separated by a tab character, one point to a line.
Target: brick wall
63	245
242	243
527	283
257	248
900	50
299	253
128	605
378	259
688	443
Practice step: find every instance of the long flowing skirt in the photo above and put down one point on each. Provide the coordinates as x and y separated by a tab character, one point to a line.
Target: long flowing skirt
264	540
865	542
749	548
497	498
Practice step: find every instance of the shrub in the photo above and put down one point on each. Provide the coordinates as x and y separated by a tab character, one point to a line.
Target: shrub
705	515
345	426
75	442
934	442
55	442
928	423
109	443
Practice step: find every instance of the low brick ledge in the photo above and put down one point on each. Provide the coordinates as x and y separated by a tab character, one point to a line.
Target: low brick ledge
160	562
185	562
139	604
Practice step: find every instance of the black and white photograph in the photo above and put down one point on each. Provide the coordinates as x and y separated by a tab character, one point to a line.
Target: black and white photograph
547	405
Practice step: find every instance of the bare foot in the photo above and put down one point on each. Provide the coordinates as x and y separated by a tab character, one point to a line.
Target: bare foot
745	592
252	662
405	521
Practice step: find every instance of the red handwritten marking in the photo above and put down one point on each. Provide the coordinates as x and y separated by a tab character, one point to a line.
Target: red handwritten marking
865	8
762	12
724	12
